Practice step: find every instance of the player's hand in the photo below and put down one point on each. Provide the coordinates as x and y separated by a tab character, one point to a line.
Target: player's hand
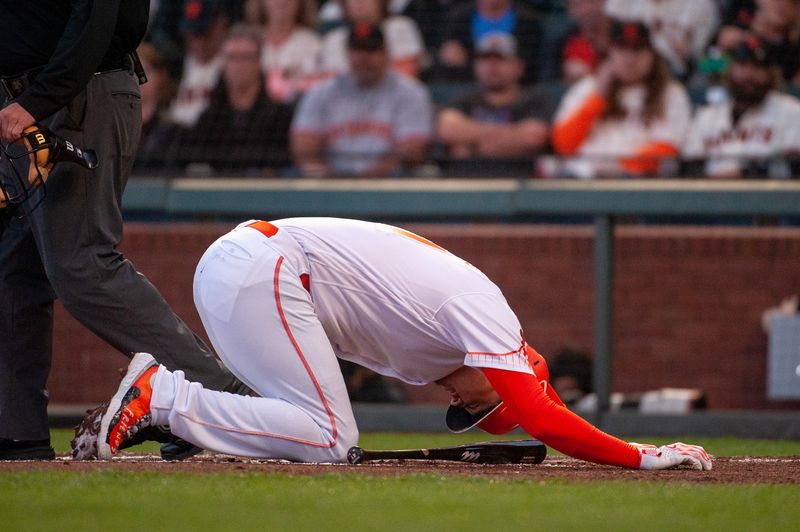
13	120
673	455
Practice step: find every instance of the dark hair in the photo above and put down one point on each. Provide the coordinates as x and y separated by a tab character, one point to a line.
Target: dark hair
655	84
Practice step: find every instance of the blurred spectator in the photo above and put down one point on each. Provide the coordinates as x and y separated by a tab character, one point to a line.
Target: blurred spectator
587	46
736	13
628	117
468	23
157	131
242	127
203	27
500	120
290	55
571	375
777	23
164	33
750	134
680	29
164	30
369	121
403	38
430	16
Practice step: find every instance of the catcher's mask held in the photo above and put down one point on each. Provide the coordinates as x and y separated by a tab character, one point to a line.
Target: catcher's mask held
44	149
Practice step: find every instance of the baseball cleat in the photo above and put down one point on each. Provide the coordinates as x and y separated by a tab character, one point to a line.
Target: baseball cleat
129	409
84	444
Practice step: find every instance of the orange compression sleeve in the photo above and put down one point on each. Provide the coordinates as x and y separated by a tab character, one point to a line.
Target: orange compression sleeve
556	426
646	159
569	134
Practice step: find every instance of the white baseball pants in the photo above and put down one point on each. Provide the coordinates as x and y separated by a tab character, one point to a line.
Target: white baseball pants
261	321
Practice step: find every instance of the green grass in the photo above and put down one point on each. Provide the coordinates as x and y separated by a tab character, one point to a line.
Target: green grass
247	501
239	500
395	440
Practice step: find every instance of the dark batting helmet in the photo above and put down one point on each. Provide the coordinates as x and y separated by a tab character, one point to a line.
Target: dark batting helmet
499	419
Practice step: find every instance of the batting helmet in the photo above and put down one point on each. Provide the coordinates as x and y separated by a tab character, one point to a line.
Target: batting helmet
499	419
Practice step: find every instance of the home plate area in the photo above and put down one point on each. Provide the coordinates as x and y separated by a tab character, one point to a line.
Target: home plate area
727	470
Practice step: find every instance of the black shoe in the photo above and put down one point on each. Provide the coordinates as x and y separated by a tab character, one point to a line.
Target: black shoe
179	450
26	450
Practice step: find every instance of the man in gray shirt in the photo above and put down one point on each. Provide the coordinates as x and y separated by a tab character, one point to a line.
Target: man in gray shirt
370	121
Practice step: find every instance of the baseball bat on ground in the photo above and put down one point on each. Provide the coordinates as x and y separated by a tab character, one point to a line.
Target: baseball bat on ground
493	452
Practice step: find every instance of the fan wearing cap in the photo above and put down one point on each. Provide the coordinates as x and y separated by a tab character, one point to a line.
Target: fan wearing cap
404	42
204	25
368	121
627	117
751	133
500	120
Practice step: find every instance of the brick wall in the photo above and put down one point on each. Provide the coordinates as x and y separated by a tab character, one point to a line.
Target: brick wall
688	300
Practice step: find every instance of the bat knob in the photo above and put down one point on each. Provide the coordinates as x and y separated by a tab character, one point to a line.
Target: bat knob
355	455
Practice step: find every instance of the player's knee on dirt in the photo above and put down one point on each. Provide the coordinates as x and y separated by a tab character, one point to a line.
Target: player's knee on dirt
348	437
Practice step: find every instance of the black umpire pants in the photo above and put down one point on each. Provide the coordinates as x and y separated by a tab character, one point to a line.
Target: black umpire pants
67	248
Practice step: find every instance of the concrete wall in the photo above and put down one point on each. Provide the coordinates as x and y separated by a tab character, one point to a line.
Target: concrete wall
689	300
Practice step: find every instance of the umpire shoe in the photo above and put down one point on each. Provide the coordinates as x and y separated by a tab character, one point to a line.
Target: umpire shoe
26	450
179	449
129	409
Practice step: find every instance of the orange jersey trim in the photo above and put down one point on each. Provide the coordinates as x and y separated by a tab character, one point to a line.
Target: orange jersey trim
265	228
508	353
418	238
302	357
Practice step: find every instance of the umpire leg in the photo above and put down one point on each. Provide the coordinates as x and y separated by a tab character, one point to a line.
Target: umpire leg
76	230
26	329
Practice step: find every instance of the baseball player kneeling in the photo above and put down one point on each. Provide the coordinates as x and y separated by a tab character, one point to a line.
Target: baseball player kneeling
280	301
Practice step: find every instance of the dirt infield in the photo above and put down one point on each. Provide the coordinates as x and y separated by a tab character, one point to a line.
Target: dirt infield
733	470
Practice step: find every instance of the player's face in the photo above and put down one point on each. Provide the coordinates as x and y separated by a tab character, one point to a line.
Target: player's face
242	63
469	389
631	65
495	72
367	66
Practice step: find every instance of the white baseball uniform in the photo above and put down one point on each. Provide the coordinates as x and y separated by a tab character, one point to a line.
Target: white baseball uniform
771	129
689	22
379	296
